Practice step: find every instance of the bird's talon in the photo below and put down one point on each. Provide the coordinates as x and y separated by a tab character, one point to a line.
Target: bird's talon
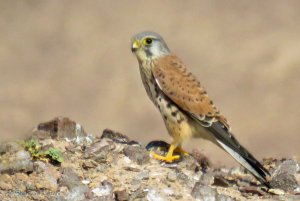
167	158
179	150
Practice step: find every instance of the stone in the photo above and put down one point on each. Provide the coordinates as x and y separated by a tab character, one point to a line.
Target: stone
48	179
154	195
137	154
5	182
220	181
204	192
253	190
69	178
10	147
172	176
59	128
144	175
104	191
284	181
115	136
102	148
224	198
283	176
89	164
121	195
77	193
18	162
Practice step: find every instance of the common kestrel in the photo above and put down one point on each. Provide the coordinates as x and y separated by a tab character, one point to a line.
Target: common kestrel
187	110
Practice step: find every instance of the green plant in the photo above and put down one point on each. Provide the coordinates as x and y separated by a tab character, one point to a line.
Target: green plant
51	154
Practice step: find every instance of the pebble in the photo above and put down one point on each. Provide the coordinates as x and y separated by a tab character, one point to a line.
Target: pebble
144	175
172	176
200	192
137	154
77	193
154	195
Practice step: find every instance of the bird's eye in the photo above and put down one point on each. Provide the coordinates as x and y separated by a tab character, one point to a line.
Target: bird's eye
148	41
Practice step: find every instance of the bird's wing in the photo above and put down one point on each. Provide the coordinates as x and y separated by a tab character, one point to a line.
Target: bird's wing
186	92
183	88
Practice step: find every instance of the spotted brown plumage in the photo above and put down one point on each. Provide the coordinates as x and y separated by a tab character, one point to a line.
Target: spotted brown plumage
187	110
183	88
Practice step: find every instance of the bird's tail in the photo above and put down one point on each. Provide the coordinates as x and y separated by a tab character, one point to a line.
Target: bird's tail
227	141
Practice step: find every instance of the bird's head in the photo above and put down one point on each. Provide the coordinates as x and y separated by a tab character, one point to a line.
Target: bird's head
148	45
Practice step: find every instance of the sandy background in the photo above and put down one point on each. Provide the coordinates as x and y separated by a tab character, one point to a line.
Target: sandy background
73	58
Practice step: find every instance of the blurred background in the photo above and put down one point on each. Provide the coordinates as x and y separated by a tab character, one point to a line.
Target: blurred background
73	58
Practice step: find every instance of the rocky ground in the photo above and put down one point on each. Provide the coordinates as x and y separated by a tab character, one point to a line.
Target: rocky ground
60	161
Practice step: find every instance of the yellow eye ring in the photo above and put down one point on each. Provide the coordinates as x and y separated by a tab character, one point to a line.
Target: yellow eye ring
147	41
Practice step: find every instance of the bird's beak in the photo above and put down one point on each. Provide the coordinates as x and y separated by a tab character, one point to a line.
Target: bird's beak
135	46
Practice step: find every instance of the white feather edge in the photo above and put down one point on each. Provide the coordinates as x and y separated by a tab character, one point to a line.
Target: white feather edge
240	159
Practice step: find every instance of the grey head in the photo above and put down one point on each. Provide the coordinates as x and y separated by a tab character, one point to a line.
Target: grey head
149	45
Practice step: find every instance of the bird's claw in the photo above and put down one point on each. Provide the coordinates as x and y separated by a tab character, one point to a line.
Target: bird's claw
168	158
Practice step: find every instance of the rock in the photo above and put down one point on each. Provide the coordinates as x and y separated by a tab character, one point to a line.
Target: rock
59	128
283	176
77	193
10	147
89	164
47	179
137	154
203	192
118	137
23	182
284	181
154	195
18	162
69	178
276	191
188	163
5	182
144	175
115	136
172	176
121	195
104	191
207	179
99	150
224	198
253	190
137	194
220	181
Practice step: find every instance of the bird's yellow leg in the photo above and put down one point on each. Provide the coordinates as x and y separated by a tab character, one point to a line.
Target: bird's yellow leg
180	150
169	158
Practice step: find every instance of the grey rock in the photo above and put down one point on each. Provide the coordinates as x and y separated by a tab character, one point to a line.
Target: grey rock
77	193
104	191
115	136
137	154
69	178
99	150
284	181
155	195
144	175
207	178
204	193
19	162
138	194
10	147
223	198
60	128
172	176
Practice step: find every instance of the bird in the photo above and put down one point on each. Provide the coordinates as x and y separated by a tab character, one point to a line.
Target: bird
187	110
